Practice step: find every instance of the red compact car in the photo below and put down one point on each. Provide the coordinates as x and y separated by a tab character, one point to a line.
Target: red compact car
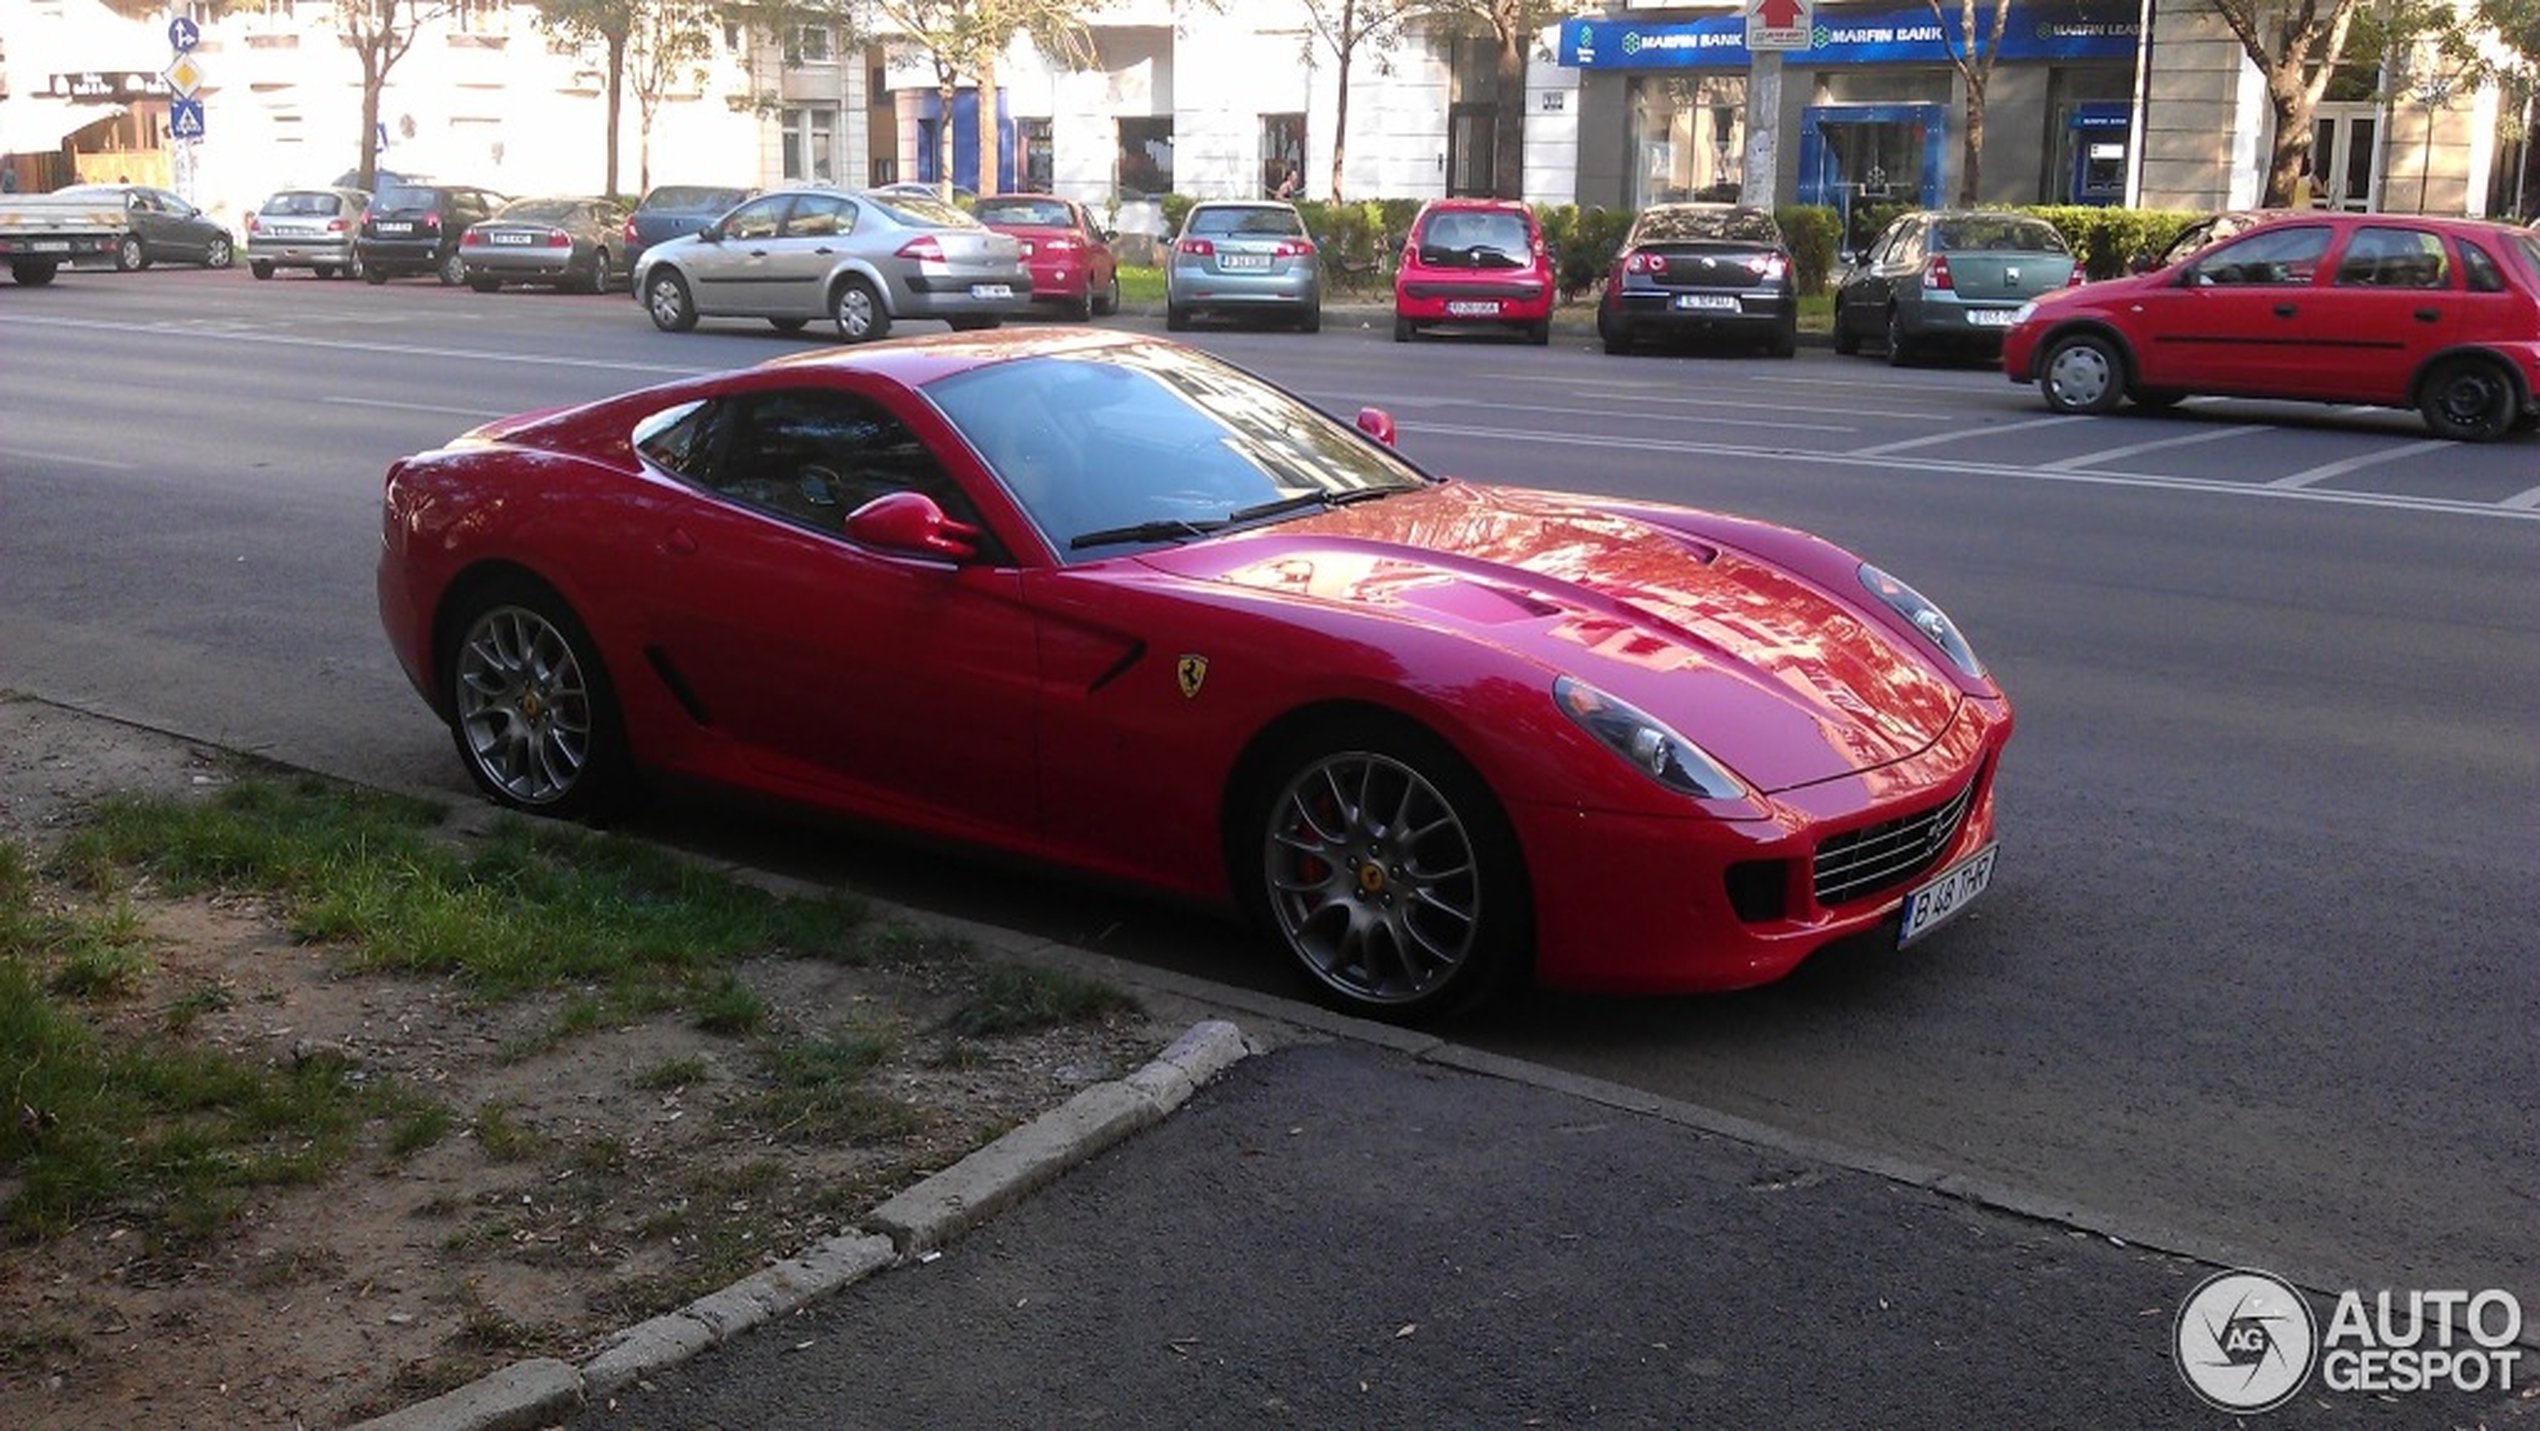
1068	253
2392	310
1475	261
1108	603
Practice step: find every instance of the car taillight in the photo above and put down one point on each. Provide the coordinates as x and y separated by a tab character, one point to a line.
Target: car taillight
1769	266
252	225
432	221
337	225
924	248
1056	245
2080	277
1936	273
471	239
1293	248
559	239
628	233
1645	263
1195	247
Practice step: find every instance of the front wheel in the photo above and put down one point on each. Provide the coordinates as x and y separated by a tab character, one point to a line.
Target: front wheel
219	253
1389	874
1846	342
1176	318
666	299
128	255
531	709
1900	344
452	272
859	313
2468	400
2082	374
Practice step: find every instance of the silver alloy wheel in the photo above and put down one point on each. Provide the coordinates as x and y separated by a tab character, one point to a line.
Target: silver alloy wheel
453	271
2081	376
602	280
666	299
128	254
1373	878
858	312
523	706
218	253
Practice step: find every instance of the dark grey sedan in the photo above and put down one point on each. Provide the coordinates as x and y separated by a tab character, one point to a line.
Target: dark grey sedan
560	243
165	228
1948	280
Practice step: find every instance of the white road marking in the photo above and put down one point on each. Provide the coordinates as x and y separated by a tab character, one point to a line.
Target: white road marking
2092	459
475	412
278	340
1962	433
32	455
2341	467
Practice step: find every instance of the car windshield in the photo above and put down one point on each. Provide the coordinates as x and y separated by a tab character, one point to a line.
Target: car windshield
926	211
1128	449
537	211
1043	213
2002	233
1734	225
303	204
1242	222
689	199
1494	239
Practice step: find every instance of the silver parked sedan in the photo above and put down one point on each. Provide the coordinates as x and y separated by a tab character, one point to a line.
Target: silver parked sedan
1250	256
862	260
1952	279
568	243
309	228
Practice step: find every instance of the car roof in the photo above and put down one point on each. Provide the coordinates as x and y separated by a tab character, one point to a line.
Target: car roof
916	361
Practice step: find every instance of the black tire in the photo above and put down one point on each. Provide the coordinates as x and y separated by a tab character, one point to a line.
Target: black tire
129	256
1109	302
789	325
1081	308
373	277
1616	337
263	270
324	270
1403	332
1900	347
2469	400
666	299
485	285
858	312
33	272
531	709
976	325
351	270
1177	319
602	277
220	252
2083	373
1539	332
1312	321
2156	399
452	272
1846	342
1785	341
1378	923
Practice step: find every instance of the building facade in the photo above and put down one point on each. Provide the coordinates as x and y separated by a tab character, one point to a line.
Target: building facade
2146	102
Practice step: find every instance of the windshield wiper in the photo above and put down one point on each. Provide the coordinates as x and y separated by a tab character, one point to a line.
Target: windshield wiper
1280	507
1165	530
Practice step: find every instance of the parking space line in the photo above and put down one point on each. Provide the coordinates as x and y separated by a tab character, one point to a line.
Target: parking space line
2089	459
2523	501
2342	466
1964	433
31	455
475	412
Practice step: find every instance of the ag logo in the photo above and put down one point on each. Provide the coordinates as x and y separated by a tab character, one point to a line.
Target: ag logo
1190	673
2245	1341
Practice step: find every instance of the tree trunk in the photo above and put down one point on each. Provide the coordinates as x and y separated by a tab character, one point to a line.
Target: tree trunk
367	164
1508	122
1971	176
1340	105
988	135
617	99
946	91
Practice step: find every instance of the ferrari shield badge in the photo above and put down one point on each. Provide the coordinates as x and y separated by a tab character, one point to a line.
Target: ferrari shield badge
1189	673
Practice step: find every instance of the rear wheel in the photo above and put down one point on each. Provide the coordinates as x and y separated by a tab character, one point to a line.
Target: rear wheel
1081	308
531	708
1312	321
33	272
1785	341
373	277
1176	318
128	254
263	270
1388	872
2468	400
859	313
1402	330
1900	345
602	278
1108	302
2082	374
1616	337
219	252
452	272
666	299
485	285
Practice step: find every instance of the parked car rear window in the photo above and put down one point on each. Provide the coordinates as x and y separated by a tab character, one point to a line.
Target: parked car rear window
401	197
691	199
1049	213
303	205
1737	225
1228	222
539	211
1460	232
2014	235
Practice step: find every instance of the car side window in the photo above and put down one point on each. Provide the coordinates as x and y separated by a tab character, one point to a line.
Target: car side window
2379	257
819	216
2278	255
2480	268
759	219
813	455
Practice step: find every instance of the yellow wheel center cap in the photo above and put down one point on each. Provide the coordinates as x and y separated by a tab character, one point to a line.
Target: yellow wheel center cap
1371	878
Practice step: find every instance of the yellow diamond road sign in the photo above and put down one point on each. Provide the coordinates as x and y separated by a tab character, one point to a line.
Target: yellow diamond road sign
185	76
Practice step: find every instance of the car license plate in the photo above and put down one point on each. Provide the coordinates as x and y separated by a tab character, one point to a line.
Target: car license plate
1232	261
1989	317
50	246
393	228
1474	308
1708	301
511	238
1940	900
992	290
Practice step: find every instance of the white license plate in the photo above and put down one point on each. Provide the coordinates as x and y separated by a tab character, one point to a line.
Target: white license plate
511	238
1956	887
992	290
392	228
1724	302
1989	317
1232	261
1475	308
50	246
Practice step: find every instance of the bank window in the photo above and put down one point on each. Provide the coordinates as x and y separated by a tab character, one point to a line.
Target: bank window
1040	166
1688	138
1282	154
1145	163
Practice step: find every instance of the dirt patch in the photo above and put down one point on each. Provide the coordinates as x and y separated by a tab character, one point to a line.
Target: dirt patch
582	1178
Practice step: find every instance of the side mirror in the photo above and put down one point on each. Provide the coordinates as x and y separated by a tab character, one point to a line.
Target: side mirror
1376	423
910	524
711	233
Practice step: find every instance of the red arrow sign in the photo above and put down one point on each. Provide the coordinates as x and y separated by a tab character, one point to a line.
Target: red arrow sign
1778	14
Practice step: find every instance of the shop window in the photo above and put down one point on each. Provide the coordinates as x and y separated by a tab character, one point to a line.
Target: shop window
1145	162
1282	154
1040	171
1688	138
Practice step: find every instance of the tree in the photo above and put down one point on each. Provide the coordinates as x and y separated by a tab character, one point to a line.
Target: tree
1345	27
605	25
379	32
2296	45
968	37
671	42
1513	24
1974	59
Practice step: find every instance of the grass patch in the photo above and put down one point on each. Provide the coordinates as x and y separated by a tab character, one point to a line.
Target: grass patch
502	1139
671	1075
1024	998
817	1089
1139	284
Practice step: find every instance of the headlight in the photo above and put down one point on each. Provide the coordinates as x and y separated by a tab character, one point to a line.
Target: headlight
1927	618
1645	742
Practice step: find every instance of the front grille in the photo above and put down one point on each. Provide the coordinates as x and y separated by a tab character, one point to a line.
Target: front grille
1859	863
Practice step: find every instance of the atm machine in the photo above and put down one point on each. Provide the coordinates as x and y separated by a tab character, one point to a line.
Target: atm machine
2096	138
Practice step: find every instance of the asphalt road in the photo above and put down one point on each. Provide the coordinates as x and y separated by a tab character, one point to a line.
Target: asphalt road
2256	968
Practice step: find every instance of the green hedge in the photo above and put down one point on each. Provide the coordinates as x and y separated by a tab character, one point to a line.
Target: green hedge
1361	240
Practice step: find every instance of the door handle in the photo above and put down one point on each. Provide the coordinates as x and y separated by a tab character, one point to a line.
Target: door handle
2284	310
2429	315
824	250
758	253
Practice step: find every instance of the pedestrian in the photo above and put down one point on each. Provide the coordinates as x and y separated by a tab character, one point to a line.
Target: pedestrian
1289	183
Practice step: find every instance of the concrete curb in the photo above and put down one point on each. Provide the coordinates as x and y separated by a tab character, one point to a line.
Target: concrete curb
543	1391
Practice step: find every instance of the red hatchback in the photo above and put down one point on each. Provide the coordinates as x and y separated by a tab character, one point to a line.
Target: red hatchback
1478	261
2391	310
1068	253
